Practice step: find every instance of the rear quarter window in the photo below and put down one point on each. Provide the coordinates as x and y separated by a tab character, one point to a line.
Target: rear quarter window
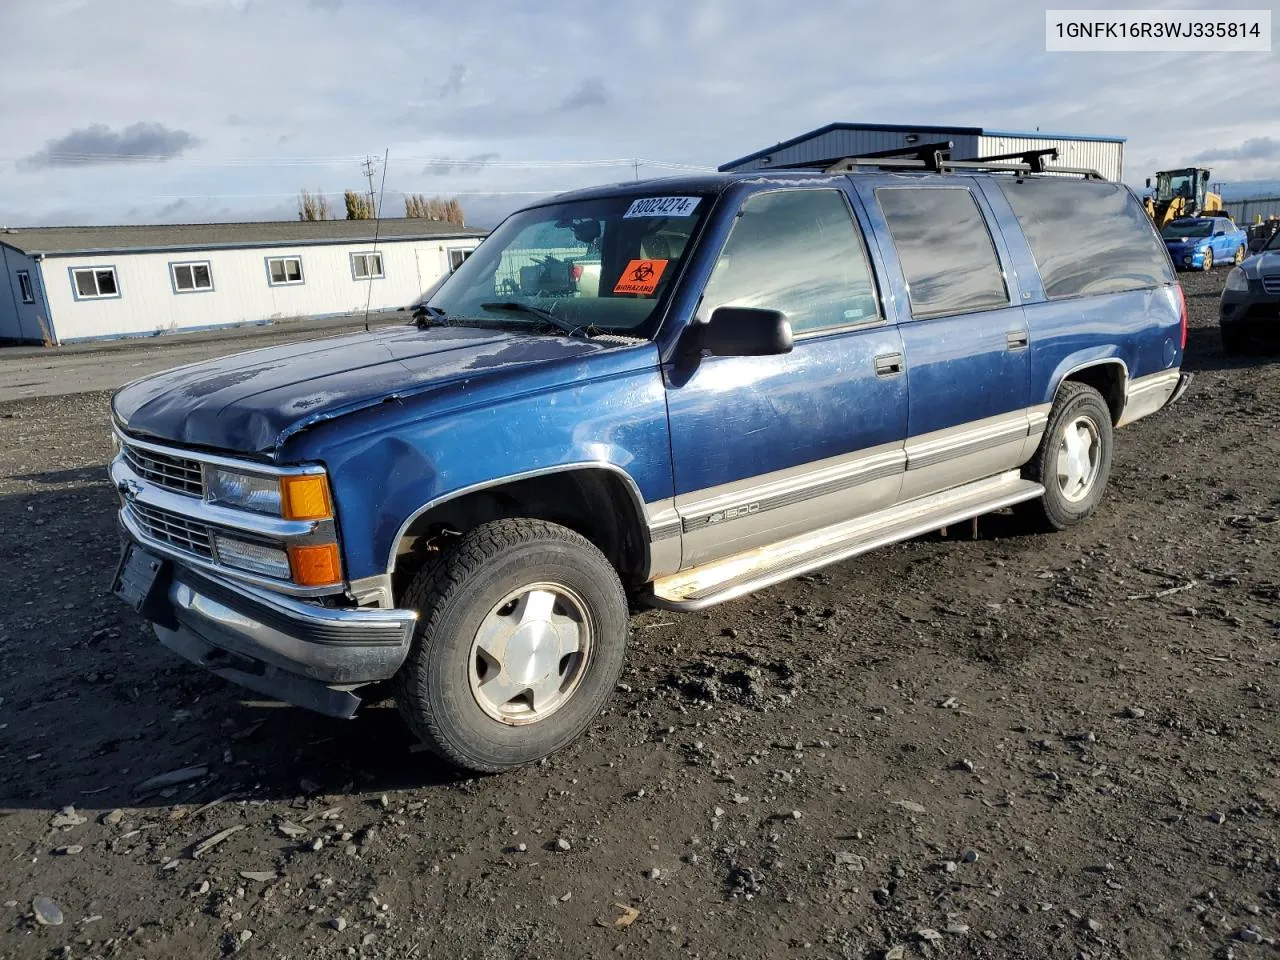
1087	238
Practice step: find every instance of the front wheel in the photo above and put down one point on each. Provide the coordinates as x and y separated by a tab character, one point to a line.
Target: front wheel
1073	461
1208	260
520	641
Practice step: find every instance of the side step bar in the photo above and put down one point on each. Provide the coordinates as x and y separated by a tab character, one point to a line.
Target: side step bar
756	569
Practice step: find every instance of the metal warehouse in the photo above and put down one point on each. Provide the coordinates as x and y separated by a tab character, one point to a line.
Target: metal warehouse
62	284
835	140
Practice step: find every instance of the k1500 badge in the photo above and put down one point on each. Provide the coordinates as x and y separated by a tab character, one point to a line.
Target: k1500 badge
734	513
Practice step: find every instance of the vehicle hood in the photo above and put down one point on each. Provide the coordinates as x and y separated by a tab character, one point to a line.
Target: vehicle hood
1266	264
252	402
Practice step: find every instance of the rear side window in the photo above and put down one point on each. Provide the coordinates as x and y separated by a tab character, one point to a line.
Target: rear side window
800	252
1088	238
946	251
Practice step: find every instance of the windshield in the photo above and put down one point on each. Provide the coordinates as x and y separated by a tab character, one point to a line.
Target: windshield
1170	185
1196	228
603	265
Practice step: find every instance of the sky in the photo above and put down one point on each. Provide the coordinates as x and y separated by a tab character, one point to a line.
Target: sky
136	111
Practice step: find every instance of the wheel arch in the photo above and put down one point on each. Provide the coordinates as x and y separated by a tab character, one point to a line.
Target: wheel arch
598	500
1108	375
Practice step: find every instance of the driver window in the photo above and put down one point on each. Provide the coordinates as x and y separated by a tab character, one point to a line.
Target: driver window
800	252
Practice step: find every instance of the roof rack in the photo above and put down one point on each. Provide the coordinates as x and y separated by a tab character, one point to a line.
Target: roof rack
929	154
936	157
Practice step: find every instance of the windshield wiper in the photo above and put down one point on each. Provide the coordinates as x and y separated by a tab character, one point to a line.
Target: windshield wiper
546	315
423	315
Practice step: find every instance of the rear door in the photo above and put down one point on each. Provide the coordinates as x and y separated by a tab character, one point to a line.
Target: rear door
767	447
966	341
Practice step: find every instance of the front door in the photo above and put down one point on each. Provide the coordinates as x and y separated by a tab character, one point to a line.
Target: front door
966	342
768	447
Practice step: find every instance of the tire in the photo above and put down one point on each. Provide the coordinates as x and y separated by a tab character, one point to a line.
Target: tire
1064	503
1208	260
1241	254
1235	339
488	595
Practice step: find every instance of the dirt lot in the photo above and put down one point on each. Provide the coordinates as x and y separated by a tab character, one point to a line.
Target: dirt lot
1020	746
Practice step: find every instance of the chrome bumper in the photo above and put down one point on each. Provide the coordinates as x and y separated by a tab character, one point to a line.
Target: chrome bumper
303	653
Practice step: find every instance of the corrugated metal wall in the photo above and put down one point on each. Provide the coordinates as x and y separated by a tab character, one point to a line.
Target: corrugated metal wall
1104	156
846	143
1245	212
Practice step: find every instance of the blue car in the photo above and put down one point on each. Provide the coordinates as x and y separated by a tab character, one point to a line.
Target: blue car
762	374
1199	243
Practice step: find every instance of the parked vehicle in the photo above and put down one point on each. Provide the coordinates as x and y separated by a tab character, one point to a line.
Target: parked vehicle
1250	305
1261	233
1198	243
772	373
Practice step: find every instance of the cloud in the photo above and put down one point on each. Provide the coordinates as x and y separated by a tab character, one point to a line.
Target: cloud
325	4
452	85
472	164
1255	148
591	92
98	143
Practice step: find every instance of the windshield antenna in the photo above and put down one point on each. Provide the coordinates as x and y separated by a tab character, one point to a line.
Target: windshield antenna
377	226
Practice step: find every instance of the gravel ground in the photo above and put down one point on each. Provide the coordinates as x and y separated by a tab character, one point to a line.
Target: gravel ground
1017	746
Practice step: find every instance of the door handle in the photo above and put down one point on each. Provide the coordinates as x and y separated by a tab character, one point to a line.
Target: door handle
888	365
1017	340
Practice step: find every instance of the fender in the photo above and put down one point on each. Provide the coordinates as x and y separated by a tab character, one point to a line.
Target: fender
633	491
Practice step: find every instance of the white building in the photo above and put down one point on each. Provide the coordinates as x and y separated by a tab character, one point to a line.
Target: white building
62	284
838	140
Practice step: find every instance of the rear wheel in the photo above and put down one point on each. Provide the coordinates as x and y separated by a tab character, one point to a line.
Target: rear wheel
1241	253
1208	259
1073	461
522	631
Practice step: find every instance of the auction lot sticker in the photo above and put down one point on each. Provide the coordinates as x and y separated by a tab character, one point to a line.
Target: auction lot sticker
662	207
641	276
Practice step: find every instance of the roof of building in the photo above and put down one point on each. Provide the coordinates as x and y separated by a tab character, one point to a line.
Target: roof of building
53	241
913	128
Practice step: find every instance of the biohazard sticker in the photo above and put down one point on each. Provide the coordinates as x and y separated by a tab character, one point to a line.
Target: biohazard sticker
641	276
662	207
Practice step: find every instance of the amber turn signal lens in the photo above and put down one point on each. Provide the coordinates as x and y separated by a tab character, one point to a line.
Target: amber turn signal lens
315	566
305	497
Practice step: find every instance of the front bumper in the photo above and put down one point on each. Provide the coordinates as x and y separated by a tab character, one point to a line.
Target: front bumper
1252	306
1187	258
301	652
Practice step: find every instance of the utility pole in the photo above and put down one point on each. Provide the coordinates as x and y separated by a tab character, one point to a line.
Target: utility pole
636	164
370	165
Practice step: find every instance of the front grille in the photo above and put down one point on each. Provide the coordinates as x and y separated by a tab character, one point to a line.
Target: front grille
1271	284
165	470
174	529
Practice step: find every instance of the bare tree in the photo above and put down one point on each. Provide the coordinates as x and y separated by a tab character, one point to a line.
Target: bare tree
433	208
358	206
313	206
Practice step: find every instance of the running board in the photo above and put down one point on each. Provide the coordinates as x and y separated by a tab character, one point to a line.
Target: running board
756	569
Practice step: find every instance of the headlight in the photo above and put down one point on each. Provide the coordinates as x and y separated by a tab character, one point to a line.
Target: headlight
300	497
245	491
1237	282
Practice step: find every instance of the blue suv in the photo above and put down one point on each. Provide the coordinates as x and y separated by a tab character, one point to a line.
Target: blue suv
727	381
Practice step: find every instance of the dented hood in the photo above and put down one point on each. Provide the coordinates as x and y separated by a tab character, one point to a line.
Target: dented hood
251	402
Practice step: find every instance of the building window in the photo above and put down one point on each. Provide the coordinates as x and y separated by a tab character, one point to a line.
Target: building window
284	270
24	284
191	277
457	257
366	266
94	283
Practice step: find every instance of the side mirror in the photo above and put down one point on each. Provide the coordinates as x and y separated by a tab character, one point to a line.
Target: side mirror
1148	183
742	332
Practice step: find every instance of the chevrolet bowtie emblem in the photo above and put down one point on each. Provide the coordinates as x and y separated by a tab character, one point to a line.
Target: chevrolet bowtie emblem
129	489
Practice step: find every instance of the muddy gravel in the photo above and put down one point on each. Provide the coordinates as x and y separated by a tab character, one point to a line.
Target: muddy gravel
1019	745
